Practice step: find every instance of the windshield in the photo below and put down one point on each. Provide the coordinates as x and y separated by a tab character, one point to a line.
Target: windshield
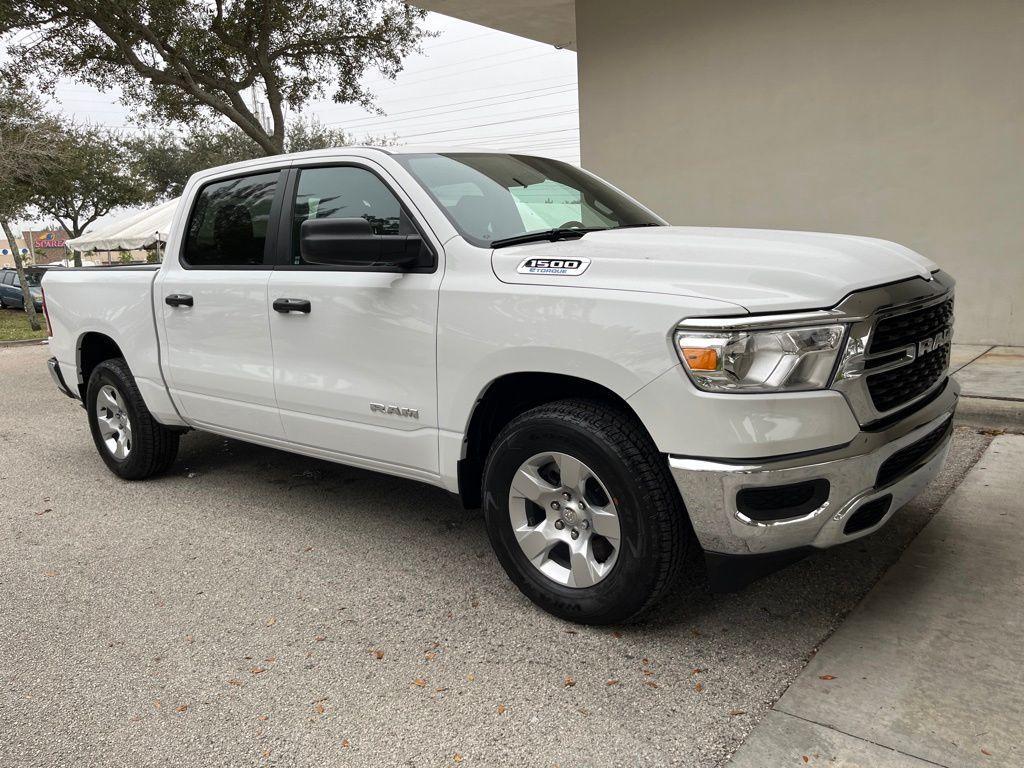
491	196
34	279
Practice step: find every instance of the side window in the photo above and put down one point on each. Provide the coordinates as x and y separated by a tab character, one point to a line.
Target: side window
346	192
228	226
8	278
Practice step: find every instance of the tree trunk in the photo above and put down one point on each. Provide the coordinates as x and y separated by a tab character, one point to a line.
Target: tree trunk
30	302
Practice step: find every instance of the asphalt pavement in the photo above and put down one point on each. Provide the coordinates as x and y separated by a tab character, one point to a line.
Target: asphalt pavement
256	608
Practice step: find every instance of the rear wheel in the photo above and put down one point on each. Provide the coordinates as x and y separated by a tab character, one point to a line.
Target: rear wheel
582	513
129	440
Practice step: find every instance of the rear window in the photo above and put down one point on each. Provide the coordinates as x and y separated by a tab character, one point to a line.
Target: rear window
228	225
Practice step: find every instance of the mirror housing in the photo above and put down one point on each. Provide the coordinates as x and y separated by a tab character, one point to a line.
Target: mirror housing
352	243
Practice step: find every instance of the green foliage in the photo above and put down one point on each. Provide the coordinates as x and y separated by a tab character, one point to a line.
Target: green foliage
190	60
92	178
164	158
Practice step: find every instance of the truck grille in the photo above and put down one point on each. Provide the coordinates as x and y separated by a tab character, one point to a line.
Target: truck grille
910	327
893	388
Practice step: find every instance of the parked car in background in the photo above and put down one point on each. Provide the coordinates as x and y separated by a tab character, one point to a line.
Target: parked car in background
11	295
615	393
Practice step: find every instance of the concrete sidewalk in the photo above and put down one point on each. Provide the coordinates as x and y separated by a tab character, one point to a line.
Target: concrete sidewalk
927	670
992	379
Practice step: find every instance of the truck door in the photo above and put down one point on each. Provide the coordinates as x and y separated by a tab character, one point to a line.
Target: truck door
212	301
355	365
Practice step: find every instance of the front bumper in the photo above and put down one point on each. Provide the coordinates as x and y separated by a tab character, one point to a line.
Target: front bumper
709	488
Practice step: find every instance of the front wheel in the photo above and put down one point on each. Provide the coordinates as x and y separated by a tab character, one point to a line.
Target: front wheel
582	513
129	440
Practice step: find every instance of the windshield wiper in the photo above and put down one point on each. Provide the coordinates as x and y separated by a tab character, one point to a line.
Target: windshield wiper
637	226
544	234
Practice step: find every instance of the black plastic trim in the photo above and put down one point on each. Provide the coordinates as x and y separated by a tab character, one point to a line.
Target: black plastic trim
759	502
731	573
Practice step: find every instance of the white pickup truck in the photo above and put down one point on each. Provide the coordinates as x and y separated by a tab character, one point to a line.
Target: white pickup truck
611	390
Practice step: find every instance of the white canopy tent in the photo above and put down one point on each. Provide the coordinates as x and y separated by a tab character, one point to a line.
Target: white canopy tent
138	230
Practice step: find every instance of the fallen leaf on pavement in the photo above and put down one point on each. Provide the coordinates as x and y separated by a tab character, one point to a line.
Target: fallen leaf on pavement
379	655
270	659
985	752
419	682
157	704
806	759
698	687
457	757
319	707
650	684
826	677
612	682
266	752
233	681
344	744
735	712
182	708
271	621
51	574
470	677
501	709
569	681
319	638
257	670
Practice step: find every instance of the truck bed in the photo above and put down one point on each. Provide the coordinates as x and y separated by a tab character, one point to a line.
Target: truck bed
116	302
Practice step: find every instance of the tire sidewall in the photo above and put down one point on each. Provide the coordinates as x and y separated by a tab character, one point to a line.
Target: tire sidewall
621	593
104	374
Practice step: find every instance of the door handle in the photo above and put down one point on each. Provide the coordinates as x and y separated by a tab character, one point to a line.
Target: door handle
292	305
178	300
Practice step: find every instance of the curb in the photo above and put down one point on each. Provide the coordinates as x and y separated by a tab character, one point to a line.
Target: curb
24	343
988	413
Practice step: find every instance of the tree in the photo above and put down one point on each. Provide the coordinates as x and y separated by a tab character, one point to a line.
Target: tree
94	179
164	159
27	139
188	60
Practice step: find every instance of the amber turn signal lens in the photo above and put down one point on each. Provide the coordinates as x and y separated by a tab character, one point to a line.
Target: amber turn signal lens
700	358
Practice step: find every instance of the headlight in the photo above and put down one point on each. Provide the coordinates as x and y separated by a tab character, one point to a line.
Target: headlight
769	360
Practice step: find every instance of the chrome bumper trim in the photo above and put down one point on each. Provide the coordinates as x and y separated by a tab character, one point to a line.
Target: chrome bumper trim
709	488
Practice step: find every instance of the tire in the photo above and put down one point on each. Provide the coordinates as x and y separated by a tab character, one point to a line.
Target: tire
129	440
612	447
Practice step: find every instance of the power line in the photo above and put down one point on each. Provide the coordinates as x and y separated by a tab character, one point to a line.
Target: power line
460	63
485	125
359	123
455	124
474	69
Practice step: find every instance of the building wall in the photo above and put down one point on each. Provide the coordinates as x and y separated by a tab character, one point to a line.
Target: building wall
900	119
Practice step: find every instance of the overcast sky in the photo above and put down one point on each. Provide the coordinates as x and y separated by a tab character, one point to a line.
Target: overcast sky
471	86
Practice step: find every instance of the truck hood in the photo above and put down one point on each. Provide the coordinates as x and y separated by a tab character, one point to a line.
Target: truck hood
761	270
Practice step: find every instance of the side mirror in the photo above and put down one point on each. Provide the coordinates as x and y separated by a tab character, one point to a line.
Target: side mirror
351	242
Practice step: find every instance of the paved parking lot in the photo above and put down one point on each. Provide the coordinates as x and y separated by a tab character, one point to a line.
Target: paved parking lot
258	608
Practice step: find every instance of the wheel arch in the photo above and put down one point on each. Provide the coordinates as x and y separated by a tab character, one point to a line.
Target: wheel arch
93	348
508	396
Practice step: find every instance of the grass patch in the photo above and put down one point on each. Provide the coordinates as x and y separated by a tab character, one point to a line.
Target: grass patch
14	326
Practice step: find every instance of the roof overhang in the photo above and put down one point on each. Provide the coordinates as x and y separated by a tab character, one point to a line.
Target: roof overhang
547	21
